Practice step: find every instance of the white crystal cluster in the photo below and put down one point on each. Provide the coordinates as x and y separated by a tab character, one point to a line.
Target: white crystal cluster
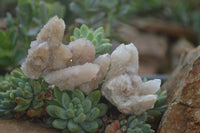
124	88
74	66
66	66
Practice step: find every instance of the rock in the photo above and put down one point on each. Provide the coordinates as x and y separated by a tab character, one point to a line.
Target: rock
16	126
66	66
168	28
124	88
152	48
178	50
183	112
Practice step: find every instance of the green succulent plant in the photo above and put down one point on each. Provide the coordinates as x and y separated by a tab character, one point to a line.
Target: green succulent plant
155	114
72	111
130	124
21	94
95	36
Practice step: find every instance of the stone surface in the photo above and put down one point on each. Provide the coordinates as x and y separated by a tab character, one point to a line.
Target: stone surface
124	88
152	48
16	126
179	49
66	66
183	112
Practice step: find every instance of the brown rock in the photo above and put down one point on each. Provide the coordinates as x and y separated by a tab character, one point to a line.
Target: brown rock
183	113
16	126
152	48
179	50
168	28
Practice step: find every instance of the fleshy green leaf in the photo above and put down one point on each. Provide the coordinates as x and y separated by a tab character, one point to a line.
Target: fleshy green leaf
20	108
51	110
61	113
59	124
73	127
79	94
93	114
103	109
65	100
94	97
90	126
87	105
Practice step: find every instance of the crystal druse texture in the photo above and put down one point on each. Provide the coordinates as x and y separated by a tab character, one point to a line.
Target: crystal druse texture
66	66
124	88
83	65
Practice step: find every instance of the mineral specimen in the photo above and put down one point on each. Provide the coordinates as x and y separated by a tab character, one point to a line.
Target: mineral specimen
66	66
124	88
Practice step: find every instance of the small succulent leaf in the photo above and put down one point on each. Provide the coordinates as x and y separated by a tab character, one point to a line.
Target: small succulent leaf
77	33
94	42
103	48
40	96
76	101
65	100
37	88
136	130
37	104
73	127
89	126
93	114
130	118
79	94
52	102
33	113
160	101
154	113
146	128
105	41
59	124
22	101
51	110
27	87
72	38
70	113
87	105
99	37
80	118
84	30
58	94
61	113
27	94
103	109
94	97
20	108
100	122
142	117
99	30
17	73
133	123
90	36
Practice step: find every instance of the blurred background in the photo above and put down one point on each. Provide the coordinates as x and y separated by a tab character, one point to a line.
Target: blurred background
163	31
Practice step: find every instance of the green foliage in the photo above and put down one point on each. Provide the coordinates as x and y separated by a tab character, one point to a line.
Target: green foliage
136	124
160	106
19	93
144	7
31	16
7	40
130	124
74	112
95	36
96	13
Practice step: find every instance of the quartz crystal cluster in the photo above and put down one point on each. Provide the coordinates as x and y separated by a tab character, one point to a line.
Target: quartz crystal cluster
124	88
66	66
74	66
